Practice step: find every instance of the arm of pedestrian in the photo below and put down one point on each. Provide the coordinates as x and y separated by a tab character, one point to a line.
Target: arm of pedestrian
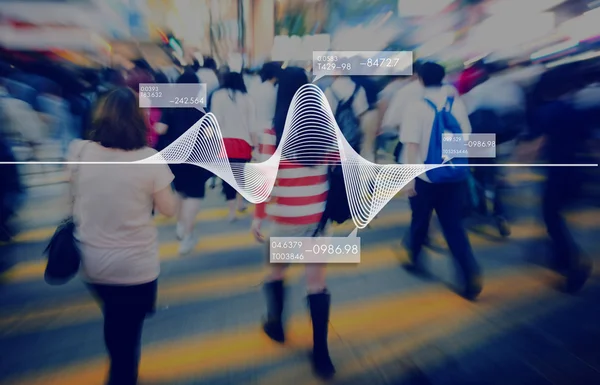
166	202
160	128
412	151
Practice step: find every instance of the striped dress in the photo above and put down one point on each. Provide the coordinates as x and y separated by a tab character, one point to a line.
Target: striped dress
300	192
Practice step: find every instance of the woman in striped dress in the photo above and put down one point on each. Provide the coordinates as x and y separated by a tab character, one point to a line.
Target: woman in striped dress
295	208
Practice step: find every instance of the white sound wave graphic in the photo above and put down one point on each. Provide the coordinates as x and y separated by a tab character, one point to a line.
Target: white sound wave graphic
310	136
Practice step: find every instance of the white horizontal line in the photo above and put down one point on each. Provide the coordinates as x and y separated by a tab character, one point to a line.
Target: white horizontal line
318	164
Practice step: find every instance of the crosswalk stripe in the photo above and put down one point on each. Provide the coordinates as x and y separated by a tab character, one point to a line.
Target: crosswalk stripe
39	235
375	354
177	292
216	352
43	234
33	270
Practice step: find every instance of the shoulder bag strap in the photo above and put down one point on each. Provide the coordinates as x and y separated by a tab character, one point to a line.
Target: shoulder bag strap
74	175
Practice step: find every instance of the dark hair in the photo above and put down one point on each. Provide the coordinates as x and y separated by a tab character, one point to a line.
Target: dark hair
118	122
195	65
161	78
234	81
290	81
432	74
269	71
188	76
210	63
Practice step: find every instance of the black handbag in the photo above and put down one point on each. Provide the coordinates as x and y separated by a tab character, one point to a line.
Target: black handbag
63	252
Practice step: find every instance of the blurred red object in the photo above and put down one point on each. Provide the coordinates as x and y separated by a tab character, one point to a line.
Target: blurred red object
469	78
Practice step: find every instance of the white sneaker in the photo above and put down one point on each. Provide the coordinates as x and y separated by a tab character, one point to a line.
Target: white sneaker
179	231
187	245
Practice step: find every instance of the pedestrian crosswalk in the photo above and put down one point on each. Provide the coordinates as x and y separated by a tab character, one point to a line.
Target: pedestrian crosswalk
206	329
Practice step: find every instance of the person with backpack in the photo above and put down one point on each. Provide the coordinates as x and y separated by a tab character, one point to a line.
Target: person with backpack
296	208
349	104
440	189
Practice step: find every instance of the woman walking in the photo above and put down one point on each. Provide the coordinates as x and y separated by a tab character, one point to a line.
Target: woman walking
297	205
236	114
114	227
190	180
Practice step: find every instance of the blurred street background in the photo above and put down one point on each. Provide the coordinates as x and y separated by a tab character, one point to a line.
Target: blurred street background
387	326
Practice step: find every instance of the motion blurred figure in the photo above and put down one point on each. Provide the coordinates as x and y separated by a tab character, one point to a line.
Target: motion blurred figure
114	226
296	206
444	197
561	130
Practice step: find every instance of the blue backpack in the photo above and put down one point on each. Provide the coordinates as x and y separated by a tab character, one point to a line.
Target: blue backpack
444	122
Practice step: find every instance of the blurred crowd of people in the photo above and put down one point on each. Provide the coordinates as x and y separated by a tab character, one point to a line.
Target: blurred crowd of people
528	109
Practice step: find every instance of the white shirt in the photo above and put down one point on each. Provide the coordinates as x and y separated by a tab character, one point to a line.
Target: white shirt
417	122
113	213
341	90
235	113
265	98
208	76
405	95
498	94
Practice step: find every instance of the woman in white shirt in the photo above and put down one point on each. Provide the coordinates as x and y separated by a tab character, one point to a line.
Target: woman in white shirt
236	114
114	227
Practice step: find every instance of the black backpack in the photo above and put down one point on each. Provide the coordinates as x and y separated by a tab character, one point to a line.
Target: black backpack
348	122
337	207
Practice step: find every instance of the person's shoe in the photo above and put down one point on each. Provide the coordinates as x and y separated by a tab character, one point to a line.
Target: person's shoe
577	276
187	244
319	305
472	289
503	227
273	325
415	269
179	232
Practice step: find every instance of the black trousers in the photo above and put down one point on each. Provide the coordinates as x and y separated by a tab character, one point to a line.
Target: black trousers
559	192
125	308
446	199
488	177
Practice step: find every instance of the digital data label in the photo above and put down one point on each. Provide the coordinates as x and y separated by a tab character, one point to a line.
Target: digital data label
469	145
169	95
362	63
314	250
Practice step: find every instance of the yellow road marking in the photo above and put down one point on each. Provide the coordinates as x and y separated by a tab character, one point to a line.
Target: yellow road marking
181	291
208	215
358	322
35	269
39	235
372	355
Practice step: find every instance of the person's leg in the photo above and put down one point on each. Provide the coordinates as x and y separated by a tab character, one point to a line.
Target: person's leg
449	214
124	316
230	197
568	258
422	207
274	289
319	302
190	207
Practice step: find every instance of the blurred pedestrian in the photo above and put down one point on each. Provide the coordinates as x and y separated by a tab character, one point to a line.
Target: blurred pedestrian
561	131
235	111
114	225
296	208
443	195
265	96
190	180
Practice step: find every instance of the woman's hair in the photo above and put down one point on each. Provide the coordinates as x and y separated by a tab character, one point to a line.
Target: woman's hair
161	78
118	122
290	81
188	77
234	81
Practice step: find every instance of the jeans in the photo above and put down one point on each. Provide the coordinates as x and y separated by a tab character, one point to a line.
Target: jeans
445	199
125	308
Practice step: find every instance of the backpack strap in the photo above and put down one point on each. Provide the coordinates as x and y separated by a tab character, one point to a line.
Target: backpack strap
431	104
